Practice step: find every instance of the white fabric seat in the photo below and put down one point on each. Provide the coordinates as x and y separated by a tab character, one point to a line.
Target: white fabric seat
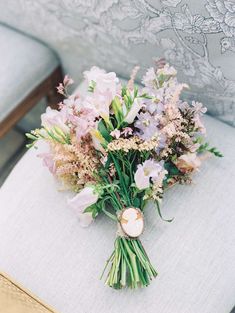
44	248
25	63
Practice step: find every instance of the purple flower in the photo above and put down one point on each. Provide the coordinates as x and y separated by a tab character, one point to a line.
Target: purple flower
154	107
147	125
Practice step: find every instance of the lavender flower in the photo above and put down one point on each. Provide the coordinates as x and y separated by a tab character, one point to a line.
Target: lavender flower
147	125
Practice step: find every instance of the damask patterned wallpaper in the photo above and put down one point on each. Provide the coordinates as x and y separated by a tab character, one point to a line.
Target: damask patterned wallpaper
197	37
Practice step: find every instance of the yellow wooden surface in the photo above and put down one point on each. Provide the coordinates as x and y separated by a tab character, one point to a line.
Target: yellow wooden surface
15	299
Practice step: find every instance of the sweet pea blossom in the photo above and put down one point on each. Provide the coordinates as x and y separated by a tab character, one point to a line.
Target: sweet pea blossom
84	199
147	126
93	74
188	163
54	118
100	103
103	81
149	169
84	122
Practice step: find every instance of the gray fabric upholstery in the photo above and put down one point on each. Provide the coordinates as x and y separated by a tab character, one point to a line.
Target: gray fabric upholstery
43	247
197	37
25	63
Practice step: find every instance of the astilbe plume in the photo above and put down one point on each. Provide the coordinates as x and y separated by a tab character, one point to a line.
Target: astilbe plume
75	163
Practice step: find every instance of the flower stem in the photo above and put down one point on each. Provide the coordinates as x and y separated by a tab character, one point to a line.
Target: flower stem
129	265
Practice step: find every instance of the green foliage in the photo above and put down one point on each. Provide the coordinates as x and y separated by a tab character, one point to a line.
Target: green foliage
117	110
92	85
104	132
206	148
54	133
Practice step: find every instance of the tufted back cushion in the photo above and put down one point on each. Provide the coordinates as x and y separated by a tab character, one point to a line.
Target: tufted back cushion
197	37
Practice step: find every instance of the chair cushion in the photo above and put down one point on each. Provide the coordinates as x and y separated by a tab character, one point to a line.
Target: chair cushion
25	63
43	247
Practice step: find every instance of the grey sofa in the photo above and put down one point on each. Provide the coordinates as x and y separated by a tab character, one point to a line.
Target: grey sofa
29	72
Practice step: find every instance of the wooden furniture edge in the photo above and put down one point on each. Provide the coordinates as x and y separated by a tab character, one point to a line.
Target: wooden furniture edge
46	88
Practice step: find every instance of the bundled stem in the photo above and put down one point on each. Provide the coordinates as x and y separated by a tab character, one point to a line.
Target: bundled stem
130	265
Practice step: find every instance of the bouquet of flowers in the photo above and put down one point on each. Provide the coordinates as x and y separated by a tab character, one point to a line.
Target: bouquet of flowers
117	147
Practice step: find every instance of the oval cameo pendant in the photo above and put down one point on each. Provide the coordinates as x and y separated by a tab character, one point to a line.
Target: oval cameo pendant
132	222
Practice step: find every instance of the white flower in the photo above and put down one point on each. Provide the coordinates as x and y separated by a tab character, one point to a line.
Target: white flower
103	81
149	77
97	139
52	118
99	103
93	74
115	133
149	169
84	199
135	108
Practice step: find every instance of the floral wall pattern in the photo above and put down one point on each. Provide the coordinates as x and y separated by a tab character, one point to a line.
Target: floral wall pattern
197	37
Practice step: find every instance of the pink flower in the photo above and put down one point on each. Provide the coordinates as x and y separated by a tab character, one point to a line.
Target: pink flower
67	81
60	89
198	107
48	161
188	163
127	131
198	124
85	122
83	200
54	118
149	169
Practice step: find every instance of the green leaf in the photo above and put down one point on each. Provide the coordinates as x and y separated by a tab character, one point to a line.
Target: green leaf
30	136
92	85
216	152
104	132
117	109
136	202
171	168
123	91
135	91
126	179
